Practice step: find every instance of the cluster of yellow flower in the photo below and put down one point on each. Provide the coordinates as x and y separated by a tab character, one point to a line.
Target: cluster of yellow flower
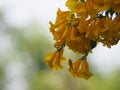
81	28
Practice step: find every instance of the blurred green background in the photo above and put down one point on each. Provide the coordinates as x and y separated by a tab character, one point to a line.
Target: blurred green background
24	44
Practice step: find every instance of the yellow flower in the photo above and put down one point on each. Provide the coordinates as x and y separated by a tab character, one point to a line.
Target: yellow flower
111	35
74	67
80	69
84	71
96	6
60	29
54	60
115	5
86	23
76	6
80	44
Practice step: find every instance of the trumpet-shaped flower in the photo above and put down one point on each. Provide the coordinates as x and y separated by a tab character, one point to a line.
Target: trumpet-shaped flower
84	71
54	60
80	69
74	67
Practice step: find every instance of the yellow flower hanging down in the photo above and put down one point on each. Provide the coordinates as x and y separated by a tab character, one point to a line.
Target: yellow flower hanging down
55	59
74	67
84	71
80	69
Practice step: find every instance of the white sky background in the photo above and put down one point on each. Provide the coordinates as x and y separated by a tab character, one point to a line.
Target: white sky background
20	12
